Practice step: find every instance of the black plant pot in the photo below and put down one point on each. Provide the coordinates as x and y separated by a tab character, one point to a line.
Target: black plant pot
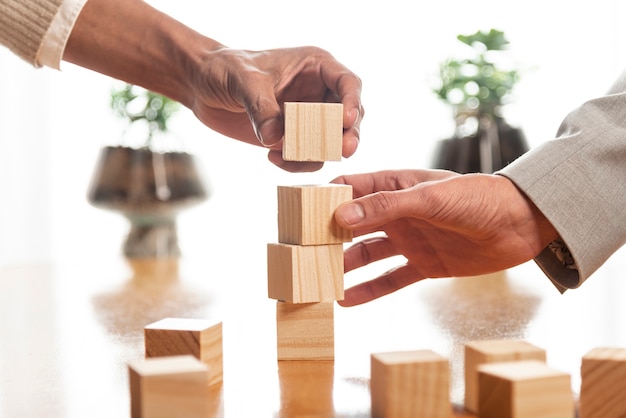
486	151
149	188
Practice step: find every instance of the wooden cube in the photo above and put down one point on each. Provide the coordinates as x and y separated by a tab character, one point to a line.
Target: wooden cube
313	131
493	351
306	388
603	387
303	274
410	384
305	331
306	214
201	338
166	387
522	389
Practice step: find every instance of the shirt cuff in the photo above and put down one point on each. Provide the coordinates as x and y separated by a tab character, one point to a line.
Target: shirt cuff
557	263
51	51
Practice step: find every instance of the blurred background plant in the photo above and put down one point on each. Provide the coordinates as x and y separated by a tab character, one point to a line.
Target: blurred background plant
148	181
482	82
138	106
477	87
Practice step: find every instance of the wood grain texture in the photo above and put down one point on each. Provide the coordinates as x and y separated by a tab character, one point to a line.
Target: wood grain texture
603	387
304	274
493	351
167	387
410	384
313	131
305	331
201	338
306	388
117	302
306	214
523	389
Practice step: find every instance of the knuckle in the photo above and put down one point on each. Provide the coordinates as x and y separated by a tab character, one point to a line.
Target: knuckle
383	201
364	252
261	105
434	203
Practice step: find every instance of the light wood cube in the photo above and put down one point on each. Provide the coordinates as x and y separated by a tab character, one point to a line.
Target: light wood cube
493	351
410	384
304	274
305	331
603	388
201	338
166	387
306	388
306	214
313	131
523	389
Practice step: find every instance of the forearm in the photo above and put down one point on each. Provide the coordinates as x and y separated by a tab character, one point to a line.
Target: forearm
577	182
131	41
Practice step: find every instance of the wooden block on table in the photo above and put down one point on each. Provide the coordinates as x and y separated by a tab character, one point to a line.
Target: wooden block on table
493	351
166	387
306	388
522	389
603	387
313	131
410	384
306	214
304	274
201	338
305	331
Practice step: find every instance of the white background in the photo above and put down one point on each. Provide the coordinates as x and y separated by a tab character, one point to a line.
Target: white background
52	124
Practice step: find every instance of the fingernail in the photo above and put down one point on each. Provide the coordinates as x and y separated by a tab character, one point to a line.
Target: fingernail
267	132
352	213
354	115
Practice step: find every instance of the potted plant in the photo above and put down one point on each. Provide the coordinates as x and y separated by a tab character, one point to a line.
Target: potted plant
477	87
146	177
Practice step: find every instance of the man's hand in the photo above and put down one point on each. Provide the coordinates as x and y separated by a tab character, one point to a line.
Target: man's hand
241	94
445	224
235	92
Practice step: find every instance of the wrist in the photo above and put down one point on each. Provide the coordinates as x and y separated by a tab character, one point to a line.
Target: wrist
185	56
132	41
540	228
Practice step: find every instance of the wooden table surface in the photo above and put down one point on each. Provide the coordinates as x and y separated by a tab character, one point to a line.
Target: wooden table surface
68	331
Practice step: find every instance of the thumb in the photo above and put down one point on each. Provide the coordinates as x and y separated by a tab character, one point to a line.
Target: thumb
374	210
266	117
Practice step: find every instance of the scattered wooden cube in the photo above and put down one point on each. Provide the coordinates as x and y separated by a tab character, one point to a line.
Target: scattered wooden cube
410	384
603	387
313	131
306	214
305	331
166	387
303	274
493	351
201	338
523	389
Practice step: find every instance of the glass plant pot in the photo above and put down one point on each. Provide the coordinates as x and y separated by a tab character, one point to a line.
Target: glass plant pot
149	188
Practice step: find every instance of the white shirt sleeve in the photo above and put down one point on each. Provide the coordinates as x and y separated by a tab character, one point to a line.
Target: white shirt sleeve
51	52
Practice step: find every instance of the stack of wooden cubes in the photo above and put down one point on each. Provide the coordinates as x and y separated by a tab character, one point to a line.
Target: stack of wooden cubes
305	268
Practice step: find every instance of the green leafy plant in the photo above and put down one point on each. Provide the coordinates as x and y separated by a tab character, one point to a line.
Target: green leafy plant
478	84
138	105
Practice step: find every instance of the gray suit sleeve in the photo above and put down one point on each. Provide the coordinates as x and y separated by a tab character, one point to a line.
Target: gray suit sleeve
578	181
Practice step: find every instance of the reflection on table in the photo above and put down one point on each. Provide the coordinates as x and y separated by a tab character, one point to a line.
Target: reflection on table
67	333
